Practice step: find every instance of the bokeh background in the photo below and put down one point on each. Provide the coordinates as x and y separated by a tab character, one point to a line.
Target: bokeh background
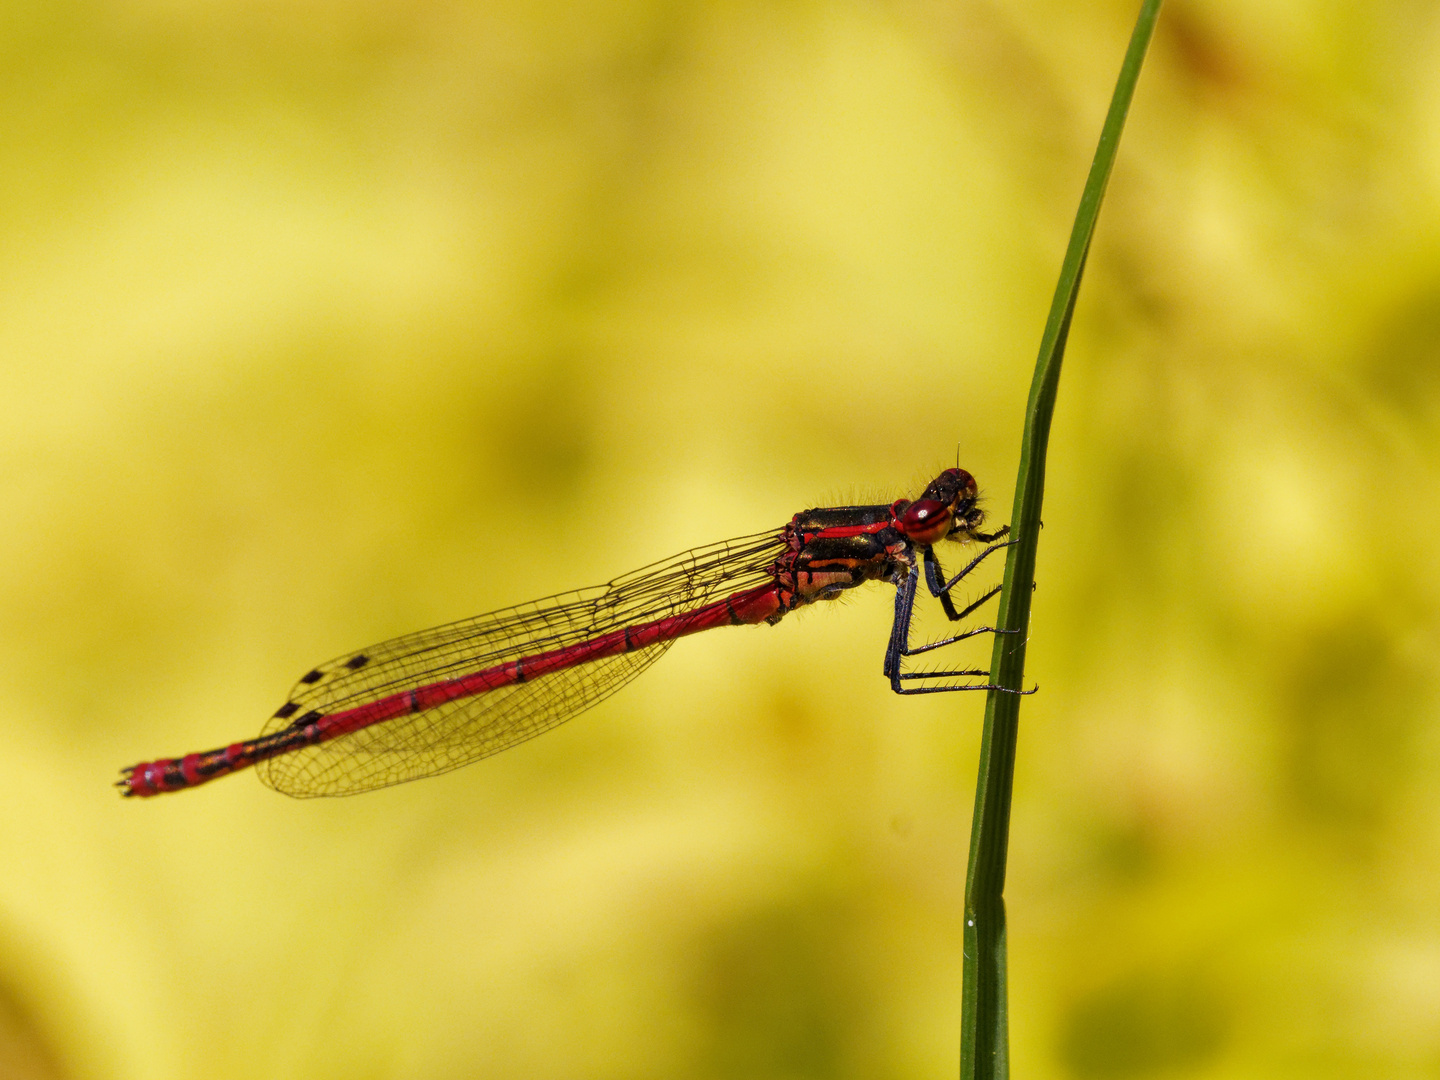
322	323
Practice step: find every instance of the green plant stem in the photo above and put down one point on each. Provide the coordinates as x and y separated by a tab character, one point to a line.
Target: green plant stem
984	1033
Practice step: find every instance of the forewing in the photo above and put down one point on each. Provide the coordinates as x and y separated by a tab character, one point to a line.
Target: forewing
460	731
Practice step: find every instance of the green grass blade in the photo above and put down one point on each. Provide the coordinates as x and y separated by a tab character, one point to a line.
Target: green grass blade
984	1040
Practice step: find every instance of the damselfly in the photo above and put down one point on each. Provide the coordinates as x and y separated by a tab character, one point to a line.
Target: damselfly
430	702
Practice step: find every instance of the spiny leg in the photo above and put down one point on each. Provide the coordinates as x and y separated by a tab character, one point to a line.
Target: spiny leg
899	647
900	628
935	579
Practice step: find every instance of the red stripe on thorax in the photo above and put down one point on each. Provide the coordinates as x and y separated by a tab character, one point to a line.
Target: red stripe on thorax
846	530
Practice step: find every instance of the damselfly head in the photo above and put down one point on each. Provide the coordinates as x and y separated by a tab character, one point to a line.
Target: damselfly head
946	509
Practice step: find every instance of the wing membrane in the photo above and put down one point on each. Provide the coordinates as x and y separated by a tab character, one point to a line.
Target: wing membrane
458	732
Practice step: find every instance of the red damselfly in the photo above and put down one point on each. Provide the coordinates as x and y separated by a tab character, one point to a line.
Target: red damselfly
430	702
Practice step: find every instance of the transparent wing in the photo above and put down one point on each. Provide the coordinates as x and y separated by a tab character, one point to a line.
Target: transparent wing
458	732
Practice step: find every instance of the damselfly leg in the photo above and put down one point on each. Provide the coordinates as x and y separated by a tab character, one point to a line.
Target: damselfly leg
900	648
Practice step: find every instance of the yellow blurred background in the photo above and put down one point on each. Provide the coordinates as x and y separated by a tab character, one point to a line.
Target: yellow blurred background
323	323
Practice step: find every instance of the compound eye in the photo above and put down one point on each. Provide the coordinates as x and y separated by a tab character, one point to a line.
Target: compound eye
922	512
926	520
